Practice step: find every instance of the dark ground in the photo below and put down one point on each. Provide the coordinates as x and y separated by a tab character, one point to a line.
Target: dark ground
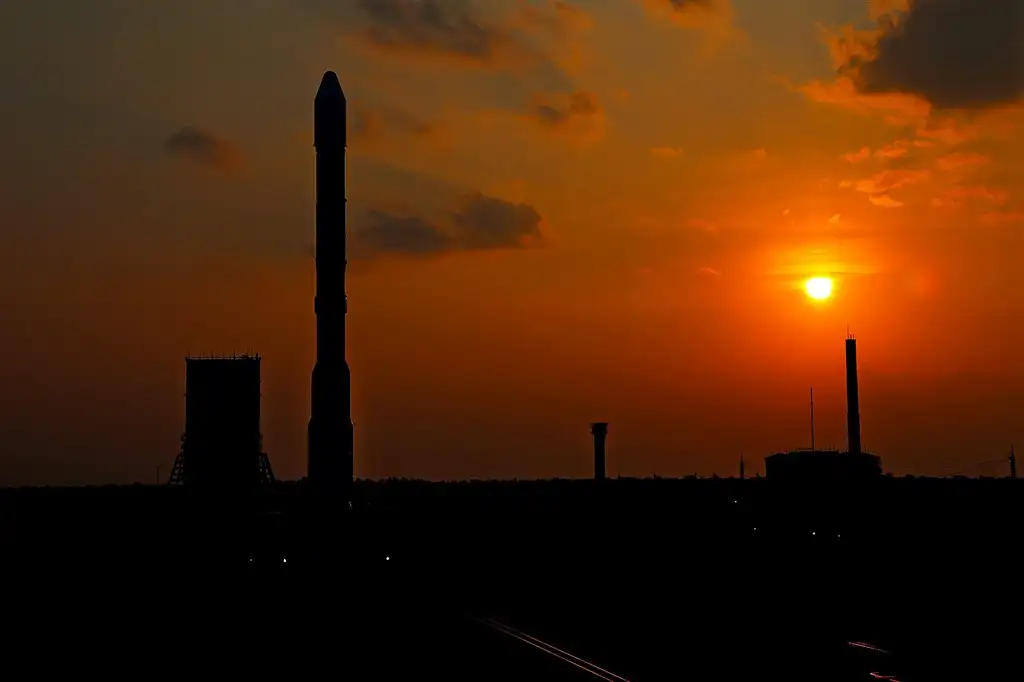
650	580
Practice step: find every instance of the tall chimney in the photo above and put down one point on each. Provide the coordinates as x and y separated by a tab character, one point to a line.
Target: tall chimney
852	398
600	432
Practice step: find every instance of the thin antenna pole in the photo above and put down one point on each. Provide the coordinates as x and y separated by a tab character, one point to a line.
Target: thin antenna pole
812	419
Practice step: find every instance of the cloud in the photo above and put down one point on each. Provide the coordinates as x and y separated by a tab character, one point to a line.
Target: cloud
879	185
956	54
457	32
888	180
478	222
856	157
894	150
958	161
878	8
1002	218
925	55
438	27
378	122
901	109
708	272
949	132
710	15
558	17
884	200
484	222
384	232
202	147
579	112
957	196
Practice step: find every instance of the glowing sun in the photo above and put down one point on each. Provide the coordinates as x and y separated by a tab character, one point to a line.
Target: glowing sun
818	288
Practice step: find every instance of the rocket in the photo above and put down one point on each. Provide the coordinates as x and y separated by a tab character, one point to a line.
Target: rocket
330	463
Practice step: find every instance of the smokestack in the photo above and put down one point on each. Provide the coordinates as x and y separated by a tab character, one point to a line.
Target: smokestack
600	432
852	398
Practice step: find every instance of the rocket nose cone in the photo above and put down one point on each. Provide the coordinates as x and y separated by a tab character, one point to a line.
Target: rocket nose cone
330	86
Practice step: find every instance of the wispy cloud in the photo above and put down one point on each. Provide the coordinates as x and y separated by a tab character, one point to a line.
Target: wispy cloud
477	222
202	147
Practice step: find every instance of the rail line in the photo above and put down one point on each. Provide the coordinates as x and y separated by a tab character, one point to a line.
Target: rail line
552	650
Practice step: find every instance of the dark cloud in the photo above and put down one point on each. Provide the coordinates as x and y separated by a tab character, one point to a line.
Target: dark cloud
377	122
483	222
685	5
443	26
384	232
479	222
580	104
693	13
515	48
956	54
202	147
456	29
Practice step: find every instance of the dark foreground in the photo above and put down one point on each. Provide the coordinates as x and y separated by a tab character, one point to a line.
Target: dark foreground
724	583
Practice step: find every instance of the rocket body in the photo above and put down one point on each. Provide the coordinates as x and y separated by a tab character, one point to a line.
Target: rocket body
330	458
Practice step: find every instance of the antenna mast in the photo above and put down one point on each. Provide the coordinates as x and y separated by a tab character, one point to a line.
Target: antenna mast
1013	463
812	419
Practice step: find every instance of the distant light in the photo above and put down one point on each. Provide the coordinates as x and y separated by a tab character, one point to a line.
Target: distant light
735	501
813	533
755	529
387	558
284	560
838	535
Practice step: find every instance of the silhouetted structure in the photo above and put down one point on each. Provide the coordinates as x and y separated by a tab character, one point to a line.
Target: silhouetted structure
852	398
820	466
812	419
222	444
1013	463
600	432
330	463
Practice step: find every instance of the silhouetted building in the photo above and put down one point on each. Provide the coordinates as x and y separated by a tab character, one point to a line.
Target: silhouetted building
820	466
852	398
600	432
330	463
222	443
830	465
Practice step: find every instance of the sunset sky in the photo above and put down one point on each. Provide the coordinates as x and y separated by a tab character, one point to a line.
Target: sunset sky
559	213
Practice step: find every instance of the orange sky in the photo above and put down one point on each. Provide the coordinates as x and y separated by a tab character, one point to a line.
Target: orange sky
686	165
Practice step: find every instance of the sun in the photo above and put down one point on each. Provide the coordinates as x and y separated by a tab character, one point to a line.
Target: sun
818	288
